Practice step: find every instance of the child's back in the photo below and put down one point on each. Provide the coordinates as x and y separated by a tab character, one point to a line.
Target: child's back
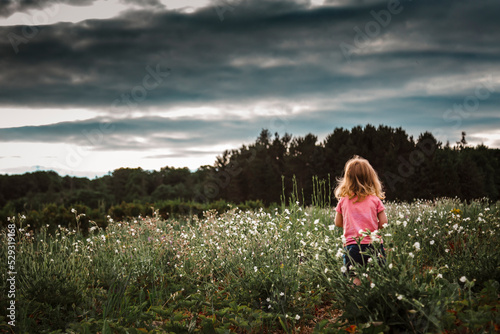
359	216
359	209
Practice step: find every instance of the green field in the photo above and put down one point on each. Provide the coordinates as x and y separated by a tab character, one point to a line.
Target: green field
259	271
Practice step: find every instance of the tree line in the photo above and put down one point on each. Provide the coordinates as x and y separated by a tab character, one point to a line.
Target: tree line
409	168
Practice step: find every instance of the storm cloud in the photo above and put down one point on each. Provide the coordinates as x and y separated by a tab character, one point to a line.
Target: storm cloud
317	67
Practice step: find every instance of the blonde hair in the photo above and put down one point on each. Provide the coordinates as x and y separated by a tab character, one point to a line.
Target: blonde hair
360	179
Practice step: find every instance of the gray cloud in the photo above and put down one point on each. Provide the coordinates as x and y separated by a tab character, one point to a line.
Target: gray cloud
9	7
429	57
262	49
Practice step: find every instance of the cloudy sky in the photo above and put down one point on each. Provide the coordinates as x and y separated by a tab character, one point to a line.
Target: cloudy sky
93	85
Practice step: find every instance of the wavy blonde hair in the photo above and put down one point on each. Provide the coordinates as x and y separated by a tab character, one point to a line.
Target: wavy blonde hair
360	179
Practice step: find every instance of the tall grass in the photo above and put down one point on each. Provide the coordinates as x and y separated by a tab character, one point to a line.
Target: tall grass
258	271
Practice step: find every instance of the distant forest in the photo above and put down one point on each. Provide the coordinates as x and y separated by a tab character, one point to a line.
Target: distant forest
409	168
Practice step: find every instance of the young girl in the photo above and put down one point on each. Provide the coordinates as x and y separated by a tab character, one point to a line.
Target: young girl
359	208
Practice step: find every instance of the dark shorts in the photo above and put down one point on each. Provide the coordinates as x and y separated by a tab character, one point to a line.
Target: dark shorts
359	256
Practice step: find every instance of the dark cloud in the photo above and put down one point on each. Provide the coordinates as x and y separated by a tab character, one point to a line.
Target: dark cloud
9	7
262	49
417	64
101	134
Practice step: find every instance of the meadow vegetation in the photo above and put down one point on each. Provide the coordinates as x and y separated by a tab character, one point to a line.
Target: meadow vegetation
259	270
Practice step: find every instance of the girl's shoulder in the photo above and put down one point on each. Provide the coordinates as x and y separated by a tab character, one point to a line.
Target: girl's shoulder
374	198
376	202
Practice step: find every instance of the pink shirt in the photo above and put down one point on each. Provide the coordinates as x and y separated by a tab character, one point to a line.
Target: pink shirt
359	216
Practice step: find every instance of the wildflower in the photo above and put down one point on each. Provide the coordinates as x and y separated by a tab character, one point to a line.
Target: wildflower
297	317
416	245
282	294
372	285
399	296
343	269
331	227
255	268
73	211
390	265
439	276
326	270
339	253
463	279
431	242
411	254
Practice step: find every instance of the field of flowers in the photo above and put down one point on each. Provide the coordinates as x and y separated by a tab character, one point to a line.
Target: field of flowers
260	272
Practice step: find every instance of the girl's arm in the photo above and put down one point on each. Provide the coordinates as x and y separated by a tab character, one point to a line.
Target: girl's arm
382	219
338	220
